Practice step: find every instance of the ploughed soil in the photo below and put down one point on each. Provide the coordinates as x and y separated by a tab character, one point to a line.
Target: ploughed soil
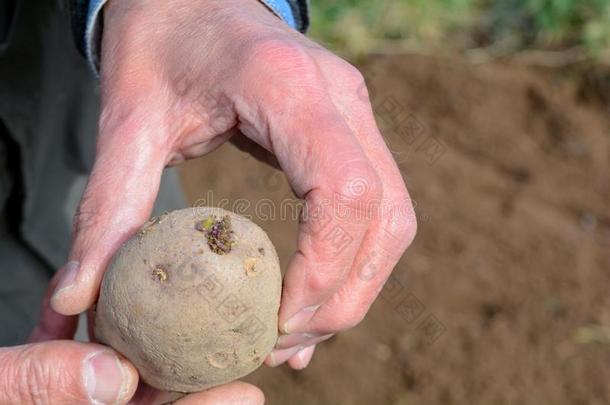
503	297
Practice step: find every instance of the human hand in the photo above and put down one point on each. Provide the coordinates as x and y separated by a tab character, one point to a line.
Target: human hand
50	370
180	78
64	372
53	369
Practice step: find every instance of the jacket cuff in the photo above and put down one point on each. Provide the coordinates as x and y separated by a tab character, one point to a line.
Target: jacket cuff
88	22
93	33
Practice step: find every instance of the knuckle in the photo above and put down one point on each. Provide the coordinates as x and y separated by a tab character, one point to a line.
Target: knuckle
30	378
409	229
345	311
400	224
405	221
295	77
361	186
321	281
352	75
352	316
285	56
350	78
38	381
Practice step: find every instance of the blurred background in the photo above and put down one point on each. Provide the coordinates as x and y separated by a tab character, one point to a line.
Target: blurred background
498	114
492	27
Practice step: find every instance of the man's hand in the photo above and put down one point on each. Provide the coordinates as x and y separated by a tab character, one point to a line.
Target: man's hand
180	78
54	370
64	372
67	372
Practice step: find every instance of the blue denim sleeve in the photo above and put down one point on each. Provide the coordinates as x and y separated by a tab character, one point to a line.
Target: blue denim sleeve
282	9
293	12
93	33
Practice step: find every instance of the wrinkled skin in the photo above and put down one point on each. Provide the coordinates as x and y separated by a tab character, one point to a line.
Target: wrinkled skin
180	78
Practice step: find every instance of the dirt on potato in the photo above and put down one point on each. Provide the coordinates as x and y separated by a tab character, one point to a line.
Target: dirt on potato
502	298
192	299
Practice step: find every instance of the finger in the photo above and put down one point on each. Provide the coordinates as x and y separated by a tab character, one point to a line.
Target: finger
331	230
118	199
64	372
147	395
280	356
324	164
289	348
302	359
300	339
52	325
348	306
230	394
394	226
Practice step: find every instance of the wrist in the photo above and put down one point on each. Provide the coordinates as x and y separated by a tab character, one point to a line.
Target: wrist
282	9
97	10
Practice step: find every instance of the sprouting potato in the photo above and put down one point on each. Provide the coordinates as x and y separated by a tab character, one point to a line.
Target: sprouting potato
192	299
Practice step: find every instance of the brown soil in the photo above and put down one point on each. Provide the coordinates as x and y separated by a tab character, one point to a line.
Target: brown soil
503	297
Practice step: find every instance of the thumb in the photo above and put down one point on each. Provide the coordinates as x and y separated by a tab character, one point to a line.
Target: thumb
118	199
64	372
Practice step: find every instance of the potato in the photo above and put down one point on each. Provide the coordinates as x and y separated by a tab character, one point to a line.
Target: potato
192	299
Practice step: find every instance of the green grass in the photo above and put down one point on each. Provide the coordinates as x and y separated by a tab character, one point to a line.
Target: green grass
357	26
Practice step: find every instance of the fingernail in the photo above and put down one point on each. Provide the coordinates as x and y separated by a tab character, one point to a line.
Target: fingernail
301	361
300	319
303	358
67	279
277	357
284	341
106	380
